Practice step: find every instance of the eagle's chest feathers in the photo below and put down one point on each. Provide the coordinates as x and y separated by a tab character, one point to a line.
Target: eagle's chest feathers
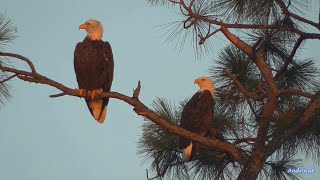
93	51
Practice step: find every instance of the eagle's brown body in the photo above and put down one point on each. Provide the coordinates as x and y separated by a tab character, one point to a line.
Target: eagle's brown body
197	116
93	64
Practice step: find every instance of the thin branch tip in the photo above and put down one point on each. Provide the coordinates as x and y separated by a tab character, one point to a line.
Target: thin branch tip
58	95
18	56
8	78
136	91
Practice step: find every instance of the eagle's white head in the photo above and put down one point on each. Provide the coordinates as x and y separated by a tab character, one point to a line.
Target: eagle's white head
94	29
205	83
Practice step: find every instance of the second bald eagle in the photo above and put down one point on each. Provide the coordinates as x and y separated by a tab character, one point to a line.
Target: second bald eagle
93	64
197	115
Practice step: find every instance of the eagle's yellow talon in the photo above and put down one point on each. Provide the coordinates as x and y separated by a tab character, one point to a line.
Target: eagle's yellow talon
96	92
82	92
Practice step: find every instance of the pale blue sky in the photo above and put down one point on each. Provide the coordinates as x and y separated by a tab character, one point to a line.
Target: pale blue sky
44	138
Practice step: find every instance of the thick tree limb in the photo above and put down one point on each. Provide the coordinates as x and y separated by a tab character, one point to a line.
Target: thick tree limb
288	133
311	109
257	158
257	57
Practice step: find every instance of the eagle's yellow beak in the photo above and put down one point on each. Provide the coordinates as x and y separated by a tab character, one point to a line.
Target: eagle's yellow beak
83	26
196	81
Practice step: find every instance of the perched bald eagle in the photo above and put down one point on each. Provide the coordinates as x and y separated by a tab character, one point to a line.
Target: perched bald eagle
93	64
197	115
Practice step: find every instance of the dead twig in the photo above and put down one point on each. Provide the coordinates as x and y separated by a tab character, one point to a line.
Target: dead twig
8	78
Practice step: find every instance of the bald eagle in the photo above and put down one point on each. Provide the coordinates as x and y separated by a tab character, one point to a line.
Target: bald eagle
93	64
197	115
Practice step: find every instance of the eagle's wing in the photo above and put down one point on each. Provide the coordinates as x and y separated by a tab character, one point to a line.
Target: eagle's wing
197	115
94	65
108	56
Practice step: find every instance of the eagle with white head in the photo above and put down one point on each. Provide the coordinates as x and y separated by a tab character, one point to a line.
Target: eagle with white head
197	115
93	64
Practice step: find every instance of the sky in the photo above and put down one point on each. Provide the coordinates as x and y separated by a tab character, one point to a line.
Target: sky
45	138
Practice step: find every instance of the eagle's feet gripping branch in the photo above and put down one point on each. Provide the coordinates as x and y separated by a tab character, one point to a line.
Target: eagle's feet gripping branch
82	92
95	92
90	94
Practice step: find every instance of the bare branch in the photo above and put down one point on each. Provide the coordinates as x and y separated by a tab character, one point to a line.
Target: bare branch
191	4
203	39
33	70
136	92
252	109
57	95
15	71
185	7
257	43
174	2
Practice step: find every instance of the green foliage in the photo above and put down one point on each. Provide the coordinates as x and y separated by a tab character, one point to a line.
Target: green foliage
302	75
253	11
7	34
161	147
278	169
7	31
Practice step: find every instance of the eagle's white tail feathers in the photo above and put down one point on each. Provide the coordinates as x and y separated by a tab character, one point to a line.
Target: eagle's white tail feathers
103	115
187	153
96	107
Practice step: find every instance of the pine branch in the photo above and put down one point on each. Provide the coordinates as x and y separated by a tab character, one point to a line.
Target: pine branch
295	16
311	109
193	15
295	92
243	89
255	56
290	58
8	79
160	173
257	158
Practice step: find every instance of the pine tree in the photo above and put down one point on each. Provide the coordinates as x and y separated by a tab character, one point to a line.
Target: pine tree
268	91
7	35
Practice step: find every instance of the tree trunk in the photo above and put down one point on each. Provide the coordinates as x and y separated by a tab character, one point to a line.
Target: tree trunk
253	167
